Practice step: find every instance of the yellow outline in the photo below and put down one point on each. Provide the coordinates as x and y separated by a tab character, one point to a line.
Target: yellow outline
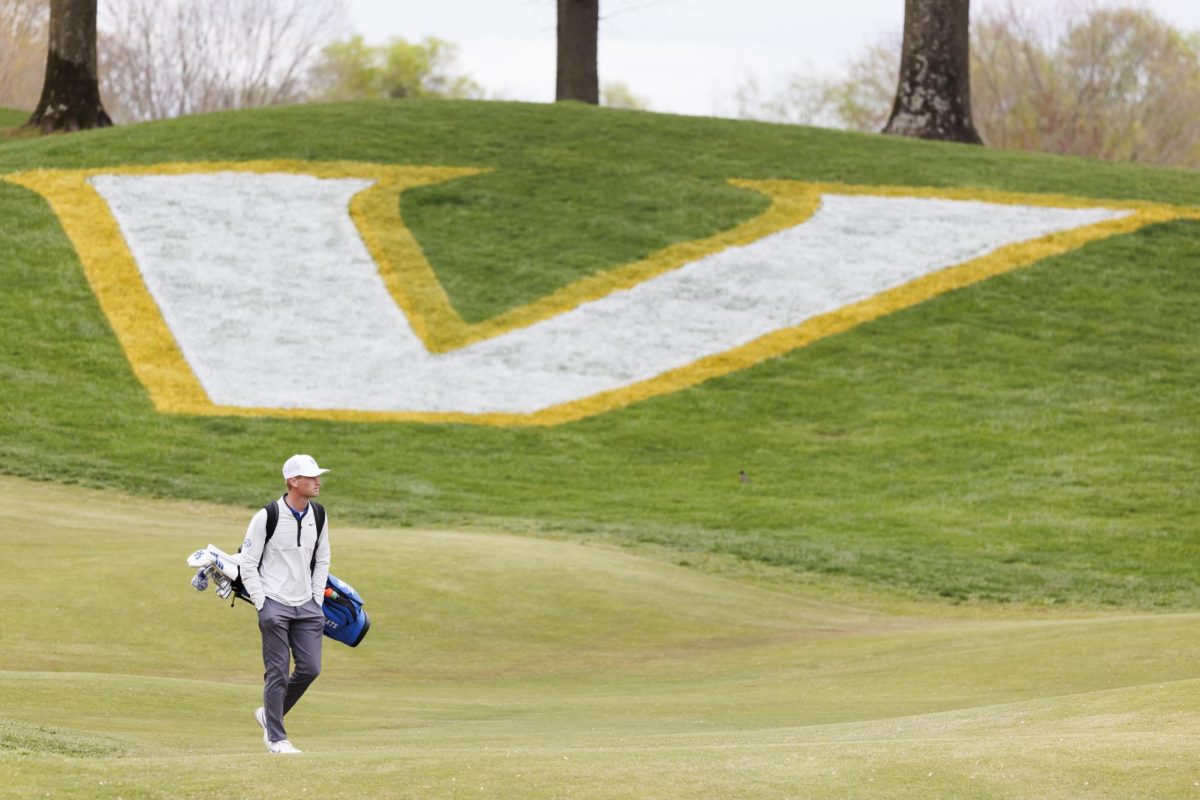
117	282
416	289
412	282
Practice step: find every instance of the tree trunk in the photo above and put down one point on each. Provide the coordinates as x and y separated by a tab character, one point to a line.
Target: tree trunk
578	31
71	91
933	99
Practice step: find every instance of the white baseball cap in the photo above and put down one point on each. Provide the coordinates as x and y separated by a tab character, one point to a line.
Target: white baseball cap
301	465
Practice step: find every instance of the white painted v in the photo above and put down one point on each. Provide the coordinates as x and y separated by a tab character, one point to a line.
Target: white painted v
279	306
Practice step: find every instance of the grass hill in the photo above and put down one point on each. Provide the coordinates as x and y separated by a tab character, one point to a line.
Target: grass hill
505	666
11	117
1028	439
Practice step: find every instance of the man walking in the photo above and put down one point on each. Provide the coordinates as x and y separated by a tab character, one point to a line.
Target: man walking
284	573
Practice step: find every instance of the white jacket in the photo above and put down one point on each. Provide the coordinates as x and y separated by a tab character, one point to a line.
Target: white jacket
283	574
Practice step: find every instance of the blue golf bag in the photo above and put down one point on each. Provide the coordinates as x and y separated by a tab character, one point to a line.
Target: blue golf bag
345	618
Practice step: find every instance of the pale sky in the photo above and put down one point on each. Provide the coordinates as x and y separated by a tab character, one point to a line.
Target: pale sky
683	56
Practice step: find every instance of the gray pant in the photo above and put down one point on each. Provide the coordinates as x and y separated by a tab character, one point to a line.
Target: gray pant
284	628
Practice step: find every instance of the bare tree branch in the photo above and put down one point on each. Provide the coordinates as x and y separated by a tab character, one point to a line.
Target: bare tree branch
163	58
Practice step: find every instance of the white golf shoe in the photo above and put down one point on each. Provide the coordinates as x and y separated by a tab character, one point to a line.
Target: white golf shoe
260	716
283	746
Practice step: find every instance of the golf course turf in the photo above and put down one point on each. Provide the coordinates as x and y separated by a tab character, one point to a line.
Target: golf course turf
949	552
505	666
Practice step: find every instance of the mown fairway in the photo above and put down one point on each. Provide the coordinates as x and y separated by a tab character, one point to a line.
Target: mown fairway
503	666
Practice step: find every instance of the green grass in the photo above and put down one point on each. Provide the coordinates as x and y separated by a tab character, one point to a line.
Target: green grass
11	122
1030	439
503	666
10	117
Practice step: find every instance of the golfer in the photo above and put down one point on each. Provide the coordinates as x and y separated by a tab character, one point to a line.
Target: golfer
284	573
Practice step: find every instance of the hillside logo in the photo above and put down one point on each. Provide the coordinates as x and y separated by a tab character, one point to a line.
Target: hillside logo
208	272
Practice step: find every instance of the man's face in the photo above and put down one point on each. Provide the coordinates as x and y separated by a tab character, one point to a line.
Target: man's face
306	487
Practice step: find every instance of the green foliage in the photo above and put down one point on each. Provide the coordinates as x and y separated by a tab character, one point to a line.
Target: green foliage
355	70
1117	83
799	101
617	94
1027	439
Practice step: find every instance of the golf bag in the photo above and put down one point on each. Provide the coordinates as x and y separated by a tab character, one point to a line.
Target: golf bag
345	619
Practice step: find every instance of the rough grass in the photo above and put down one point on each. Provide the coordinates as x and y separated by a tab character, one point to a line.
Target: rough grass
29	739
1030	439
503	666
11	121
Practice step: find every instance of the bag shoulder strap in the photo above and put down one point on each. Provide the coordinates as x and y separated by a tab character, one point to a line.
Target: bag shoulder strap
319	514
272	522
272	509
